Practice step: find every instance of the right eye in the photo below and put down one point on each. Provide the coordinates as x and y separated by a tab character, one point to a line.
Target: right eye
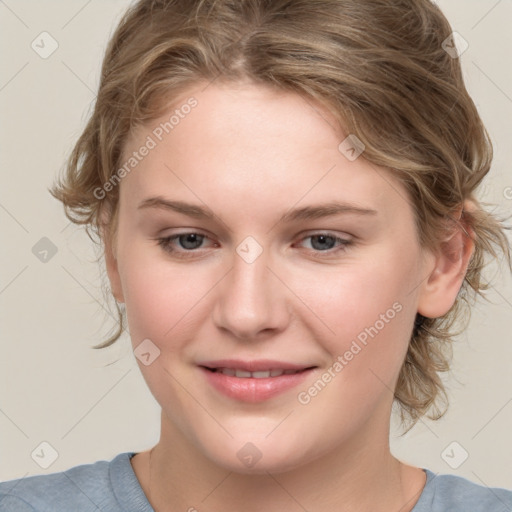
188	242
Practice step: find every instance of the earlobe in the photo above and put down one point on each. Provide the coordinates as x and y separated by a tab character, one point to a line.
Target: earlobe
445	279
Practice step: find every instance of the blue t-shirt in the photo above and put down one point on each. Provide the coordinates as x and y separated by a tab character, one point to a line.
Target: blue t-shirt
111	486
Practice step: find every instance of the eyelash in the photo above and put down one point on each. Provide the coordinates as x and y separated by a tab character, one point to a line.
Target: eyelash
165	243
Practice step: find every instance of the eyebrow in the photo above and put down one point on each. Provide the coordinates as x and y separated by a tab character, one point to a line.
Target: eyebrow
305	213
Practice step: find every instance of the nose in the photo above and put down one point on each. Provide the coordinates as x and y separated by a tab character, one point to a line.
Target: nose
252	301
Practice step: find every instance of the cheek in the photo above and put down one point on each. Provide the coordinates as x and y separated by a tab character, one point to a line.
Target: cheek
365	313
366	300
162	298
371	313
163	304
355	296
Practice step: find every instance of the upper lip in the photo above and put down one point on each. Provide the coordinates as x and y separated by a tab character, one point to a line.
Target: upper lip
254	365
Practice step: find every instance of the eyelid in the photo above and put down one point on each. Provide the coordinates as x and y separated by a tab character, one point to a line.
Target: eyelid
326	232
303	234
344	243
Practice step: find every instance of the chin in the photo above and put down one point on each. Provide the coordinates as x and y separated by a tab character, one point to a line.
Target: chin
258	458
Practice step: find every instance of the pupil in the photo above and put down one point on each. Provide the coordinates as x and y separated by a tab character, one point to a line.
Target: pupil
322	239
190	238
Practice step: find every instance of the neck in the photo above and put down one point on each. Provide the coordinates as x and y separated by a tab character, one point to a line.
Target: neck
179	477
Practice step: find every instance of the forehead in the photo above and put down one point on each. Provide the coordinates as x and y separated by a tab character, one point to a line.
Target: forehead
245	143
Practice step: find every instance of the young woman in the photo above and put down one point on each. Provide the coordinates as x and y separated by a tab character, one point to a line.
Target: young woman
285	194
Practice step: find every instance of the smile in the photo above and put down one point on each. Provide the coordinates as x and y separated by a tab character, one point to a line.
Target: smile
262	374
255	382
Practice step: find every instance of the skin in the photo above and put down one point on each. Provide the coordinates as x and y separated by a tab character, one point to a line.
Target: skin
250	154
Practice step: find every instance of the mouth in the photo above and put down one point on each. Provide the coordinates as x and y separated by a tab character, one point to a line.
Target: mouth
254	381
261	374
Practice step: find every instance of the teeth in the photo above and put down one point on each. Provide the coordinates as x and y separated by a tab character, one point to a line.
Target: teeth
262	374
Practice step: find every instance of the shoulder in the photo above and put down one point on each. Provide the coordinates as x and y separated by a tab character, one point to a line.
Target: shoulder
87	487
453	493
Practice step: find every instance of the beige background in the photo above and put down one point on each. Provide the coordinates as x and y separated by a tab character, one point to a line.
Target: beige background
90	405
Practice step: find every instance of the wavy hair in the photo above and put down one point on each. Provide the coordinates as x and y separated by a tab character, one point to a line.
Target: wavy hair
379	66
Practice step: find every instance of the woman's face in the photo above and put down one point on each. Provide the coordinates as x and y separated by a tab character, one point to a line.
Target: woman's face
300	256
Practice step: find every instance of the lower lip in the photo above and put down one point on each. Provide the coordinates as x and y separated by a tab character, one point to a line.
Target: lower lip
251	389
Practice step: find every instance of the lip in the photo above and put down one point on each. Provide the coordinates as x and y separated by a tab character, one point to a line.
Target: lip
253	390
255	365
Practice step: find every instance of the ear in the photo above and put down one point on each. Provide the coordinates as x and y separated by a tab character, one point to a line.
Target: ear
447	273
110	245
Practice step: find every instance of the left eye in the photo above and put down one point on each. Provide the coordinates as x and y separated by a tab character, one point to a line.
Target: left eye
321	242
188	240
324	239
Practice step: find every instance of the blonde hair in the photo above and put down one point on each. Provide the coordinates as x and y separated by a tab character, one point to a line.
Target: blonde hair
380	68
